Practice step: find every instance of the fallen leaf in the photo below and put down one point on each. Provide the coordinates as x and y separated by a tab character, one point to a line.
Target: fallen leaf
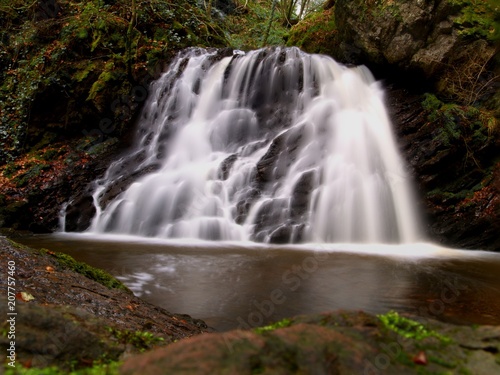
420	358
26	297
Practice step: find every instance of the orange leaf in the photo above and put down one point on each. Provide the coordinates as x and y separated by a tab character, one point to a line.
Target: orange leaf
420	358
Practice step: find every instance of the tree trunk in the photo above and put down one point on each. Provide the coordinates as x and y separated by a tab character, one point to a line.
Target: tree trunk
129	39
268	30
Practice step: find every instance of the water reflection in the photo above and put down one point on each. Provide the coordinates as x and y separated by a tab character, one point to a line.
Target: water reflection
234	285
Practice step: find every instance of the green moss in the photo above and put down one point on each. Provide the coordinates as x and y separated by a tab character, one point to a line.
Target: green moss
474	125
479	19
98	275
271	327
34	170
317	33
442	362
99	369
409	328
140	340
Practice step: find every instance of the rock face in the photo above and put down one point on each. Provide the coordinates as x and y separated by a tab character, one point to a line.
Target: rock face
35	187
419	36
332	343
457	176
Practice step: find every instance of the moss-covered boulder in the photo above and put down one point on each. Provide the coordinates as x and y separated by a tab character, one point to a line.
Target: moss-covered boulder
424	36
332	343
452	44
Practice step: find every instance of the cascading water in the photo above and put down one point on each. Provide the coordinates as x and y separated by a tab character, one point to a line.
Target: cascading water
274	145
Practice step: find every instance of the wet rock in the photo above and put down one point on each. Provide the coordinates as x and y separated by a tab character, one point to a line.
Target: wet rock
225	167
302	193
79	214
36	192
404	34
281	153
457	179
281	235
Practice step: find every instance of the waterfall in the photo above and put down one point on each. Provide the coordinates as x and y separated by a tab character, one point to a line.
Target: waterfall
273	145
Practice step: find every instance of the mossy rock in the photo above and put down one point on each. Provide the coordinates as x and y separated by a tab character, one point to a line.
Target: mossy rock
98	275
340	342
316	34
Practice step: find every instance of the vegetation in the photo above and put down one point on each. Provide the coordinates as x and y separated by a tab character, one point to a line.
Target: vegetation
73	56
247	26
271	327
102	277
479	19
472	125
99	369
140	340
409	328
317	33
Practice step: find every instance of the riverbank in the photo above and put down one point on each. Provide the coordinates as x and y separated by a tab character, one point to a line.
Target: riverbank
75	317
72	315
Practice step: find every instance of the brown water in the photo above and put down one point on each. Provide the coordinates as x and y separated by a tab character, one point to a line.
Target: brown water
233	285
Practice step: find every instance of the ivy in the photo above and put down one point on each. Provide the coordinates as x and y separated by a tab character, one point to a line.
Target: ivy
479	19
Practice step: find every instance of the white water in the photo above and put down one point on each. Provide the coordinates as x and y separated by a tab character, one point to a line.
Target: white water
203	165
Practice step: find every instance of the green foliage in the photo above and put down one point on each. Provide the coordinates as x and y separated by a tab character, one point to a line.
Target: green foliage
409	328
479	19
140	340
471	124
98	275
86	52
271	327
100	369
246	31
317	33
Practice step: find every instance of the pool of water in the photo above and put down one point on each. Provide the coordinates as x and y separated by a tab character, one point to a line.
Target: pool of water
232	285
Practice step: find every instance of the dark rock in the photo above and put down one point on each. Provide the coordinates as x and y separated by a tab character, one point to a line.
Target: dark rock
36	205
281	153
302	193
458	180
225	167
281	235
403	34
79	214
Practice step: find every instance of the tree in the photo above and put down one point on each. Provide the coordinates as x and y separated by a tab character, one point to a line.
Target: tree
130	31
268	29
